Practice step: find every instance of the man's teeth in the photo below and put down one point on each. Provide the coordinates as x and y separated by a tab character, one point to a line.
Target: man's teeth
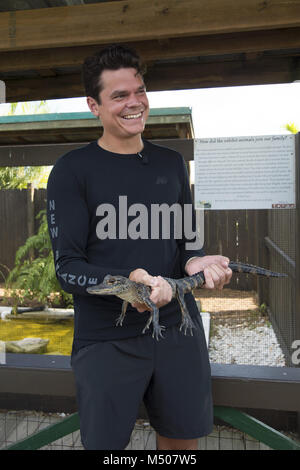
132	116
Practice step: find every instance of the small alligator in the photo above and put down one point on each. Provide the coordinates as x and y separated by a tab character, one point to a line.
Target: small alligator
131	292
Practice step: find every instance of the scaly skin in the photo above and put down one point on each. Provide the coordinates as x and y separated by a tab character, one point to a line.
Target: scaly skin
130	292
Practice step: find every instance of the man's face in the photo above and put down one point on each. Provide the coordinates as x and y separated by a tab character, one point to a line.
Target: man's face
124	104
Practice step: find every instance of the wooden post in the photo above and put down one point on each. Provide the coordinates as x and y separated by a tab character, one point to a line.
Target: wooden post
262	252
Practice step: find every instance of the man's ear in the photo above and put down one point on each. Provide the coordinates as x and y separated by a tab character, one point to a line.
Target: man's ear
93	106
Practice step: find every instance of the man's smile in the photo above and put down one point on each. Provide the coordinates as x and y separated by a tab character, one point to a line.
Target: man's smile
133	116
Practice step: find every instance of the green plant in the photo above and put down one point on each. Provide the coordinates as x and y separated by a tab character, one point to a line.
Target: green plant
19	177
291	127
2	269
263	309
35	278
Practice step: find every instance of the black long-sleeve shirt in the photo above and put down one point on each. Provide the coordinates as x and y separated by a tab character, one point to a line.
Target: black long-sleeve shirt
93	196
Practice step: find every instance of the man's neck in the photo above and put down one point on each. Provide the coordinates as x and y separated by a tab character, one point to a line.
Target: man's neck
125	146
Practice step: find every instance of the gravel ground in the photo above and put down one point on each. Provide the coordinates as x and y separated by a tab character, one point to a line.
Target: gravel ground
244	344
239	333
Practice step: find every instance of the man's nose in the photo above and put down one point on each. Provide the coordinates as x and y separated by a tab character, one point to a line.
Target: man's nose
133	101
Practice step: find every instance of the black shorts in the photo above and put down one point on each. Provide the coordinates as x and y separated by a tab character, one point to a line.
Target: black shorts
171	375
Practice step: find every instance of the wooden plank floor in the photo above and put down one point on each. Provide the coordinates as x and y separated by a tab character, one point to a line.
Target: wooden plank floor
16	425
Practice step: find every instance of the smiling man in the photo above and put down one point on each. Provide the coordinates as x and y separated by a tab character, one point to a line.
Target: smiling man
117	367
123	109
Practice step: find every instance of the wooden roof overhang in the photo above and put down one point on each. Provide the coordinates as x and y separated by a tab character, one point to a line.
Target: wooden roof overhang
58	128
185	44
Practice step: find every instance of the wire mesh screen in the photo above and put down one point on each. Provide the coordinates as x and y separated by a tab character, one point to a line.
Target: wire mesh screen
17	425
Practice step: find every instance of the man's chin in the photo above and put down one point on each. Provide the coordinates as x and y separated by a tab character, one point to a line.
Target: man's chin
134	132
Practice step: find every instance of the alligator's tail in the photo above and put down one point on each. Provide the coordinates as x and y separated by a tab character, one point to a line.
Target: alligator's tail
251	269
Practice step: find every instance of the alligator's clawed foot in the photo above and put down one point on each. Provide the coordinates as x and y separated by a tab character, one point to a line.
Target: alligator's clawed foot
187	322
145	329
157	332
119	321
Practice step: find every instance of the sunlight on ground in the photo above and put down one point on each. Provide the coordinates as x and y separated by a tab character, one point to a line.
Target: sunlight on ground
226	300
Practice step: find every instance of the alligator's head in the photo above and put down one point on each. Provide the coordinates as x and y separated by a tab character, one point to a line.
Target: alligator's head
111	285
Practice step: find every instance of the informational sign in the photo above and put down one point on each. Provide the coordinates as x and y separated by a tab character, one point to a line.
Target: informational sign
255	172
2	92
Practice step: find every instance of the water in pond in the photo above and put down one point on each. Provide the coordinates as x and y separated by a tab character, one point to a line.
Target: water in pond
59	333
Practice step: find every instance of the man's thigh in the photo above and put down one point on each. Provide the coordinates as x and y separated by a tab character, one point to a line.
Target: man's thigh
111	378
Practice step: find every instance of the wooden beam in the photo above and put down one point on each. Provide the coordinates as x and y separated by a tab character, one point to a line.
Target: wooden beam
135	20
222	74
220	44
167	77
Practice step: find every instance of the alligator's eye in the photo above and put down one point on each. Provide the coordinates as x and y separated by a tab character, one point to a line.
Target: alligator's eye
111	281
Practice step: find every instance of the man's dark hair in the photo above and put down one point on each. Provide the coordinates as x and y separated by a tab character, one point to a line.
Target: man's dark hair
113	57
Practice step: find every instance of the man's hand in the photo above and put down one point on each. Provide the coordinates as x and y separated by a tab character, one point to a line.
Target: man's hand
215	268
161	290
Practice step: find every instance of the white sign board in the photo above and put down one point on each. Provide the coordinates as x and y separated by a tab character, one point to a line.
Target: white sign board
256	172
2	92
